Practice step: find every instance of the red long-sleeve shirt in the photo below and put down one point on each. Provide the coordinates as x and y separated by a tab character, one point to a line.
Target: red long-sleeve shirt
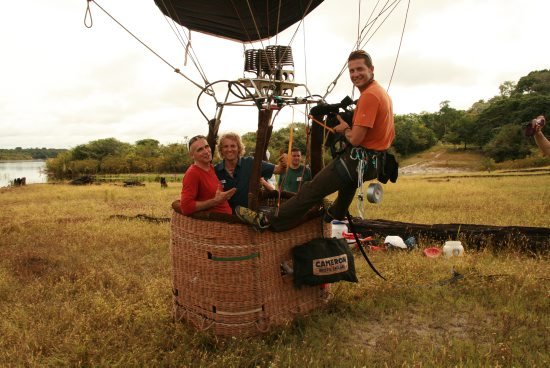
200	185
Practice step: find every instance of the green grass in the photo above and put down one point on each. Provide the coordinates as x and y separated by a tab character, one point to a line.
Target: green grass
78	288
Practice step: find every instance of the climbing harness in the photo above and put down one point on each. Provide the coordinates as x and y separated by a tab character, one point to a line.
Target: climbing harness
366	159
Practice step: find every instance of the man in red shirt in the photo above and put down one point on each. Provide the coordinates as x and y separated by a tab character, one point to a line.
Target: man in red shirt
202	190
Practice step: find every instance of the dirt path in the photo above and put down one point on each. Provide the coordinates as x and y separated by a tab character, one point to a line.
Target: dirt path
425	167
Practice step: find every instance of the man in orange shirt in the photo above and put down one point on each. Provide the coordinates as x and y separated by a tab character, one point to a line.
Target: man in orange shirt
202	190
370	136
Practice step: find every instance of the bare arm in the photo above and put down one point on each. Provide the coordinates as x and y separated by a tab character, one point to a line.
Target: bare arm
267	185
542	142
354	135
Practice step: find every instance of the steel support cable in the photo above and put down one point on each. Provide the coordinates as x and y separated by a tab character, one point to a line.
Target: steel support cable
400	42
298	26
278	22
305	53
393	7
149	48
242	23
183	39
357	44
367	23
370	23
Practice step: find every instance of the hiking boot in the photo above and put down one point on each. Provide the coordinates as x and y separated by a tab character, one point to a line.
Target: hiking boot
327	217
248	216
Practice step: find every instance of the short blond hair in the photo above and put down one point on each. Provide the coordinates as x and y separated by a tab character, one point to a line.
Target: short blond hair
234	137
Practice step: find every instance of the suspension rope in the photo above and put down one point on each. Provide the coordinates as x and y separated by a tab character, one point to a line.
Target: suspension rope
252	15
184	40
278	22
149	48
400	42
393	6
322	124
369	23
358	20
86	14
388	7
300	23
305	53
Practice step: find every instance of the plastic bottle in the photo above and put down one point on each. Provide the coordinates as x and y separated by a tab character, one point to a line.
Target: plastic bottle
338	228
453	248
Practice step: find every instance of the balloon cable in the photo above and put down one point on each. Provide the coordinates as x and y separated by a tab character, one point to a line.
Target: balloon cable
150	49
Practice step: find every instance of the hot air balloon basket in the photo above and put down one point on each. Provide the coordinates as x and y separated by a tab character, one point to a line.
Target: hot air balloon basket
227	278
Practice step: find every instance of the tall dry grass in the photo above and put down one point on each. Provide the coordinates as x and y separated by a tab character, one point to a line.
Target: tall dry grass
497	199
78	288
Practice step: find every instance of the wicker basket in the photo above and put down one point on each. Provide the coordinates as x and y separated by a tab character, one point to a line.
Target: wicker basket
227	277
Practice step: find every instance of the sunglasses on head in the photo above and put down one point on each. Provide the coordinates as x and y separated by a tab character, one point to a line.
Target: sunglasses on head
194	139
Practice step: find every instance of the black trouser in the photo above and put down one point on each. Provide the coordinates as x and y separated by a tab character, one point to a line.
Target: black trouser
340	175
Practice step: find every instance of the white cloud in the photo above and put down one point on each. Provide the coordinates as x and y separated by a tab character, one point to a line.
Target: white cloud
63	84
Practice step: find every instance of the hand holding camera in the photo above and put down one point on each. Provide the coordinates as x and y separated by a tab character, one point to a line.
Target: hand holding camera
534	126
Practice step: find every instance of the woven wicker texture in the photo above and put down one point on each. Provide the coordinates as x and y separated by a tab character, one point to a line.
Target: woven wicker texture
227	277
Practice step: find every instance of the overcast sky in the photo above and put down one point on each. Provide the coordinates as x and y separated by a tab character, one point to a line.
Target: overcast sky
63	84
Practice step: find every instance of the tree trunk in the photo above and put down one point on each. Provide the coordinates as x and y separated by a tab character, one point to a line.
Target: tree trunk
533	239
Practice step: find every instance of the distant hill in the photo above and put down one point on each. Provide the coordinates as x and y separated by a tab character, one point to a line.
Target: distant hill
448	158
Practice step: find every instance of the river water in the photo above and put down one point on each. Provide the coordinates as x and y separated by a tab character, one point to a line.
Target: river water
33	170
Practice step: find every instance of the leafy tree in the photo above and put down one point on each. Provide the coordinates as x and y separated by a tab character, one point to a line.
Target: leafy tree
249	141
100	148
507	88
147	148
115	165
517	109
411	135
148	142
174	158
83	167
463	130
508	144
279	140
534	82
59	166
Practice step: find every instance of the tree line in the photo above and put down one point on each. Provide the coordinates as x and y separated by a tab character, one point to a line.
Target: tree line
495	126
19	153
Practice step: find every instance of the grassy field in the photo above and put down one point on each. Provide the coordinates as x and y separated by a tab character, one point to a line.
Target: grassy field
79	288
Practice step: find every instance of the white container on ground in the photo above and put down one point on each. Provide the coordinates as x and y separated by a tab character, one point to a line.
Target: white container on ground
453	248
338	228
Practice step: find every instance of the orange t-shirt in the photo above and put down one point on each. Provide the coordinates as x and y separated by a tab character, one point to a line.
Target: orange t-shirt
374	110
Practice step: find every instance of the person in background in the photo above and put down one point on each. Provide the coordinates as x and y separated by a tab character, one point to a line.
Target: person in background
540	139
372	134
296	174
234	170
201	189
268	184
